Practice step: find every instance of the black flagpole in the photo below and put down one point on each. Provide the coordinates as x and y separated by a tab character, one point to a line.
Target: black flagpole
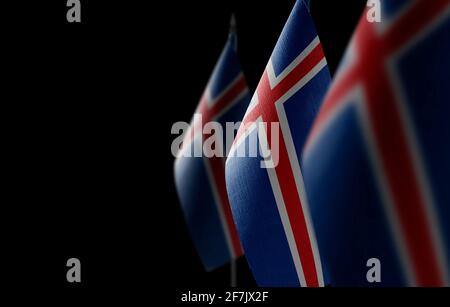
233	264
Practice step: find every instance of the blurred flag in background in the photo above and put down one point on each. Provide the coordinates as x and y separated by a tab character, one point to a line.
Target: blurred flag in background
200	181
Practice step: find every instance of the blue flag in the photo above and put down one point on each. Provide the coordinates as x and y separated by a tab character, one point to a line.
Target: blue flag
200	180
376	164
268	200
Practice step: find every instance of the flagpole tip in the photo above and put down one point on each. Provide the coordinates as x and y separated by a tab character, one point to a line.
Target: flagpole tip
233	23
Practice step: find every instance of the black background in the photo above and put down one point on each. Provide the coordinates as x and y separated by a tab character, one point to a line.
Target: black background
89	112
